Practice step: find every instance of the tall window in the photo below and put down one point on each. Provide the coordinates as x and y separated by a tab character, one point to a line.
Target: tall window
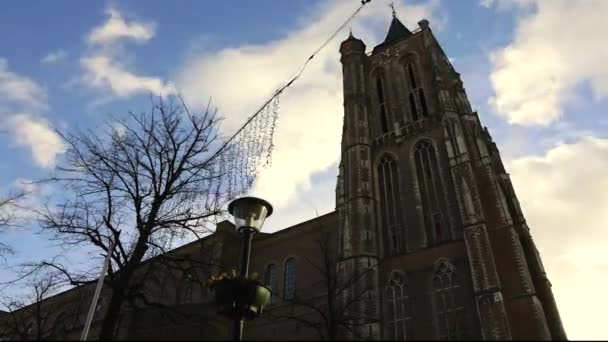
390	203
380	83
187	287
399	311
271	280
455	137
290	279
417	100
452	136
429	183
449	313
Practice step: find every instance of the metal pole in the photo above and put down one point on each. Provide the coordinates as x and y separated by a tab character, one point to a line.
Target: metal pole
244	272
102	276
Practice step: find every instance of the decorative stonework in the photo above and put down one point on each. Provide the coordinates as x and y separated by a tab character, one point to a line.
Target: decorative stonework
443	267
493	317
520	262
462	176
470	213
446	101
463	103
481	260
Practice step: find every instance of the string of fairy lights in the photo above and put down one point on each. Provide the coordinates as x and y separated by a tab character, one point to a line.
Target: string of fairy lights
252	145
240	158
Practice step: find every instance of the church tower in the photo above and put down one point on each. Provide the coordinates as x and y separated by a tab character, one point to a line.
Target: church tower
426	209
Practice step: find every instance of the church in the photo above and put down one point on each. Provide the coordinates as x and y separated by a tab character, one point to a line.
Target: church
427	241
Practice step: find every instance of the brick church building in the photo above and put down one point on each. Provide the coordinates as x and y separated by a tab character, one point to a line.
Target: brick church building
427	239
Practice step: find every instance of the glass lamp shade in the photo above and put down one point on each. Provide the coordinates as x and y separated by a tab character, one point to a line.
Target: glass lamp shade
249	212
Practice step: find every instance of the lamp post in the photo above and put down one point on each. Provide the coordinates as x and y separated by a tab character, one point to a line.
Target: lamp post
249	215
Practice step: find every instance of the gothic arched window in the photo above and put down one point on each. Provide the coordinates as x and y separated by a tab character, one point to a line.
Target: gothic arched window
270	279
290	279
382	103
417	100
449	313
390	203
398	307
429	183
187	287
452	137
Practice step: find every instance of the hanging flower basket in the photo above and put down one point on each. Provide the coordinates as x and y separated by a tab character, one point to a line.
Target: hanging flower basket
240	298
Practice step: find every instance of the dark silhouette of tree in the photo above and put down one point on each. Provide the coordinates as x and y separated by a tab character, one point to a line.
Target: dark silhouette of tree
140	182
8	218
331	305
27	318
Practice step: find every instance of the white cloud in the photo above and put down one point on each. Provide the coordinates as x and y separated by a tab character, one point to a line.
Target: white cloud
23	95
307	139
538	73
486	3
21	90
564	195
103	72
37	134
54	57
102	64
314	199
116	28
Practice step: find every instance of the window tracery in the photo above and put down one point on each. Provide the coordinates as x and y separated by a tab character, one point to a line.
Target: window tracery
270	279
382	103
398	307
431	193
417	101
187	287
290	279
449	312
390	203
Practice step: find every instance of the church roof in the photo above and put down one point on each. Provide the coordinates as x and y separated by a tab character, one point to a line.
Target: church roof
396	32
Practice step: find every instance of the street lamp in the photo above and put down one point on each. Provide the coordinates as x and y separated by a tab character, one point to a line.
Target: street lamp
249	215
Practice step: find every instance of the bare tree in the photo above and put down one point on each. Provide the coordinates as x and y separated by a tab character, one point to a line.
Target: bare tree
8	206
145	179
335	309
27	319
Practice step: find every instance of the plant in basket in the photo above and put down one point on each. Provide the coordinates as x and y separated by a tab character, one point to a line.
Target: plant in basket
237	297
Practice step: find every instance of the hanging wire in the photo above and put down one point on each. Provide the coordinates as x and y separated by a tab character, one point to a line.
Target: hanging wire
295	77
252	145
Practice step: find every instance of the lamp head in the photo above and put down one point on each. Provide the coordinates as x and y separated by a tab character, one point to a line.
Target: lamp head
249	212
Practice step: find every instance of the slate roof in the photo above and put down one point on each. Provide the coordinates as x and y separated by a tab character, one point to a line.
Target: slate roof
396	32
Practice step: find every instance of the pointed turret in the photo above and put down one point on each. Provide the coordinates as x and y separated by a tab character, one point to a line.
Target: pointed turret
397	31
352	44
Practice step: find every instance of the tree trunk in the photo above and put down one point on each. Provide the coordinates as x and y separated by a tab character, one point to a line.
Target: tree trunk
110	321
333	331
120	288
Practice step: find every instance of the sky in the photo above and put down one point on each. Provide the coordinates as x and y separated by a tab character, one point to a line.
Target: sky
534	70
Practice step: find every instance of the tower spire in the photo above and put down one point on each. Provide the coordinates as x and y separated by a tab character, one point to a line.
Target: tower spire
392	6
397	31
